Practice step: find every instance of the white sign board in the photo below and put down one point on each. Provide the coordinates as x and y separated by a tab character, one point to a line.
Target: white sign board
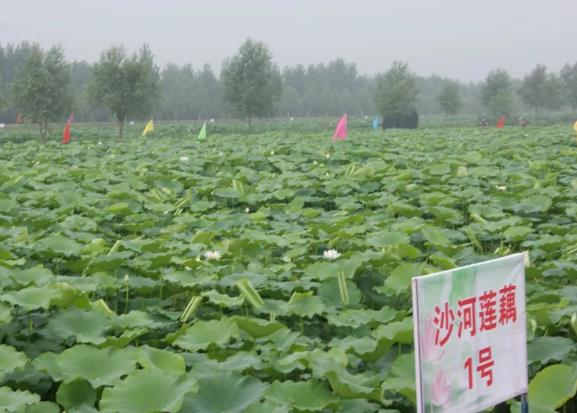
470	336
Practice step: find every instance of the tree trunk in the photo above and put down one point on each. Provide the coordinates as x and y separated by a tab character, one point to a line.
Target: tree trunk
43	130
120	127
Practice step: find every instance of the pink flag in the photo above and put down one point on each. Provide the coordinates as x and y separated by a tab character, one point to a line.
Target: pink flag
341	131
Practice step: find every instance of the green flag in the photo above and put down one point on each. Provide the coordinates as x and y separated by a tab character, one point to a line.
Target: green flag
202	133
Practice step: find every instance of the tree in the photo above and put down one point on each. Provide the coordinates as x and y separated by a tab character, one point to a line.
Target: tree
497	93
177	92
127	86
3	100
207	90
568	80
396	91
449	98
251	81
540	90
41	89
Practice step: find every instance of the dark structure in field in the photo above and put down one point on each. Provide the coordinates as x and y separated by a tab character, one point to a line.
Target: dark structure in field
408	120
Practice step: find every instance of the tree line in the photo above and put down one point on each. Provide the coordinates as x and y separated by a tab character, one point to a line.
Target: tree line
44	87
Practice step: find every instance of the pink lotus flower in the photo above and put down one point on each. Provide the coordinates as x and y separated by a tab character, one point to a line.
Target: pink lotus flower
440	396
430	351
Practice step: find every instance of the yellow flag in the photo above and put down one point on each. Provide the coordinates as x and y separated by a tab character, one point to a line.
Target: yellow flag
148	128
575	126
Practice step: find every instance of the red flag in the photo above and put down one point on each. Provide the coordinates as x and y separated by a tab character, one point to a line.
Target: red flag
66	134
501	122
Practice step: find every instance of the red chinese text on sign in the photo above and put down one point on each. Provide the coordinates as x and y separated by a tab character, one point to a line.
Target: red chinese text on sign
507	306
444	321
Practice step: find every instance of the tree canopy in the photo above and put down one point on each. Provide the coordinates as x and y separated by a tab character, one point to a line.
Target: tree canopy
449	98
497	93
540	90
568	80
126	85
396	91
41	88
251	81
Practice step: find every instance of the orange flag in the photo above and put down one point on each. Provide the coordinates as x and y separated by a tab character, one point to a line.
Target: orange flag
66	134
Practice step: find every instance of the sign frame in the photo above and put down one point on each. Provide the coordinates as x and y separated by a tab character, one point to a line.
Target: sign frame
519	329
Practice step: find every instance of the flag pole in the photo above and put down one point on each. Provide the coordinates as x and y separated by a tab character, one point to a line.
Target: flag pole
524	399
524	403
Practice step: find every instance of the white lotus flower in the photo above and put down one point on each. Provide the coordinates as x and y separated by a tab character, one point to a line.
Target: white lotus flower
328	155
501	188
247	210
271	153
314	162
213	255
184	158
99	142
331	254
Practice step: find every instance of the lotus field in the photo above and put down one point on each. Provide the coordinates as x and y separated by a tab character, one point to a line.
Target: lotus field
269	273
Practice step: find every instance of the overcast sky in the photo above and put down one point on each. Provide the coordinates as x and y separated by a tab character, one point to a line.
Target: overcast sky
462	39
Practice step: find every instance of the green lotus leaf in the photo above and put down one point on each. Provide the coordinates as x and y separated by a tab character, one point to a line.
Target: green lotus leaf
547	349
387	238
553	386
32	298
361	405
357	318
224	391
150	357
84	326
397	331
445	214
308	395
10	360
223	300
330	294
43	407
435	236
76	393
100	367
305	304
400	278
13	400
5	313
147	391
36	275
267	406
257	328
202	334
517	233
7	204
58	244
